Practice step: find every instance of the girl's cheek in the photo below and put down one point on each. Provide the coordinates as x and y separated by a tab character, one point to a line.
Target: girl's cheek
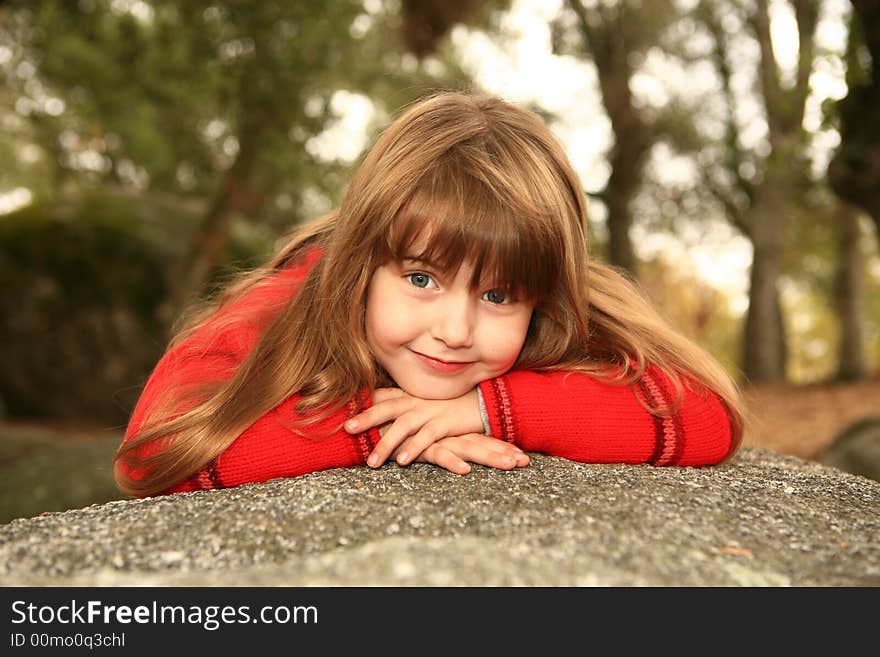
504	350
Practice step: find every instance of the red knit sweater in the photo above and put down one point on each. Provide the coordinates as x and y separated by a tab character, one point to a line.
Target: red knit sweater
562	414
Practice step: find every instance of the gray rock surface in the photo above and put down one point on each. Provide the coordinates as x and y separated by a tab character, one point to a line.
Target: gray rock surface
759	520
856	449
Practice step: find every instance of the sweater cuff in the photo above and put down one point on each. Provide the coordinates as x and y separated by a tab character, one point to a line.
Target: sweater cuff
366	441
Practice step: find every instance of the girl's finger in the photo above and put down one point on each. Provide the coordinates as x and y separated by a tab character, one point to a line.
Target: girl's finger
403	427
490	458
486	451
429	434
378	414
445	459
493	444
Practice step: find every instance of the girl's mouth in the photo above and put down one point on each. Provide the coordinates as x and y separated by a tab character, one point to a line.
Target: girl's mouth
448	367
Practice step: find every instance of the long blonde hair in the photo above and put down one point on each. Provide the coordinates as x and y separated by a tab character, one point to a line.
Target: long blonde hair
491	185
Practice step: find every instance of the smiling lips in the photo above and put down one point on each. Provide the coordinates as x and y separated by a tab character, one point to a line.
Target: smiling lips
448	367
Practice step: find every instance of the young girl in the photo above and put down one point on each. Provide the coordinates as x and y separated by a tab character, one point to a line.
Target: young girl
445	313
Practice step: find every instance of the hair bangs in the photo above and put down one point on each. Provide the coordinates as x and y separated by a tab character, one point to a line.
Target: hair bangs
452	219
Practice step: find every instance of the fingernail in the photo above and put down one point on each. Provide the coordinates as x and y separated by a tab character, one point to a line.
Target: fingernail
373	461
402	458
351	425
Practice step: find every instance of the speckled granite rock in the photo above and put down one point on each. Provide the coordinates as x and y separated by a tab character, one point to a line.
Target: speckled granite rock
760	520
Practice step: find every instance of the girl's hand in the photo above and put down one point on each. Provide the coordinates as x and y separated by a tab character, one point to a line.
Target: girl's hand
412	424
453	452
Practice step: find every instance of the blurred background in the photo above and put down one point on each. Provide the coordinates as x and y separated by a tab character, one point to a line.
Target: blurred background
729	149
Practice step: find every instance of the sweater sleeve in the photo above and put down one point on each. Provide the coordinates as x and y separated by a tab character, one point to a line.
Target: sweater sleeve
270	447
578	417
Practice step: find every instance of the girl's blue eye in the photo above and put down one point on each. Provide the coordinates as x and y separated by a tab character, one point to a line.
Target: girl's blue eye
497	296
419	279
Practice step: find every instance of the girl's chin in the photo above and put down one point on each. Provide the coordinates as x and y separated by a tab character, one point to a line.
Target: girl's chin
434	390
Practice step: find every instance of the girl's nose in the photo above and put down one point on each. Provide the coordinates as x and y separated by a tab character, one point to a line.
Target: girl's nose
453	323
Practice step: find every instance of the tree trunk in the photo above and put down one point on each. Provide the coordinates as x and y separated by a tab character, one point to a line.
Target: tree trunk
764	354
850	297
854	171
631	144
212	235
606	40
618	195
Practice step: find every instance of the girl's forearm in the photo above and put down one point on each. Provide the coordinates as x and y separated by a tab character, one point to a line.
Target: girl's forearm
270	448
576	416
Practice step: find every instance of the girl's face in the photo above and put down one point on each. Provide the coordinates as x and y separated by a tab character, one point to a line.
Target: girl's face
435	336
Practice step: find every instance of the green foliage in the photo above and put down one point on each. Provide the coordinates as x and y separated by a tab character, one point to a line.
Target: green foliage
81	310
202	86
84	312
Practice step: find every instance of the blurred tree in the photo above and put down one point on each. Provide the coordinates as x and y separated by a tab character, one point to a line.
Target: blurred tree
616	36
849	295
20	138
854	175
426	22
221	101
759	189
829	260
854	171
